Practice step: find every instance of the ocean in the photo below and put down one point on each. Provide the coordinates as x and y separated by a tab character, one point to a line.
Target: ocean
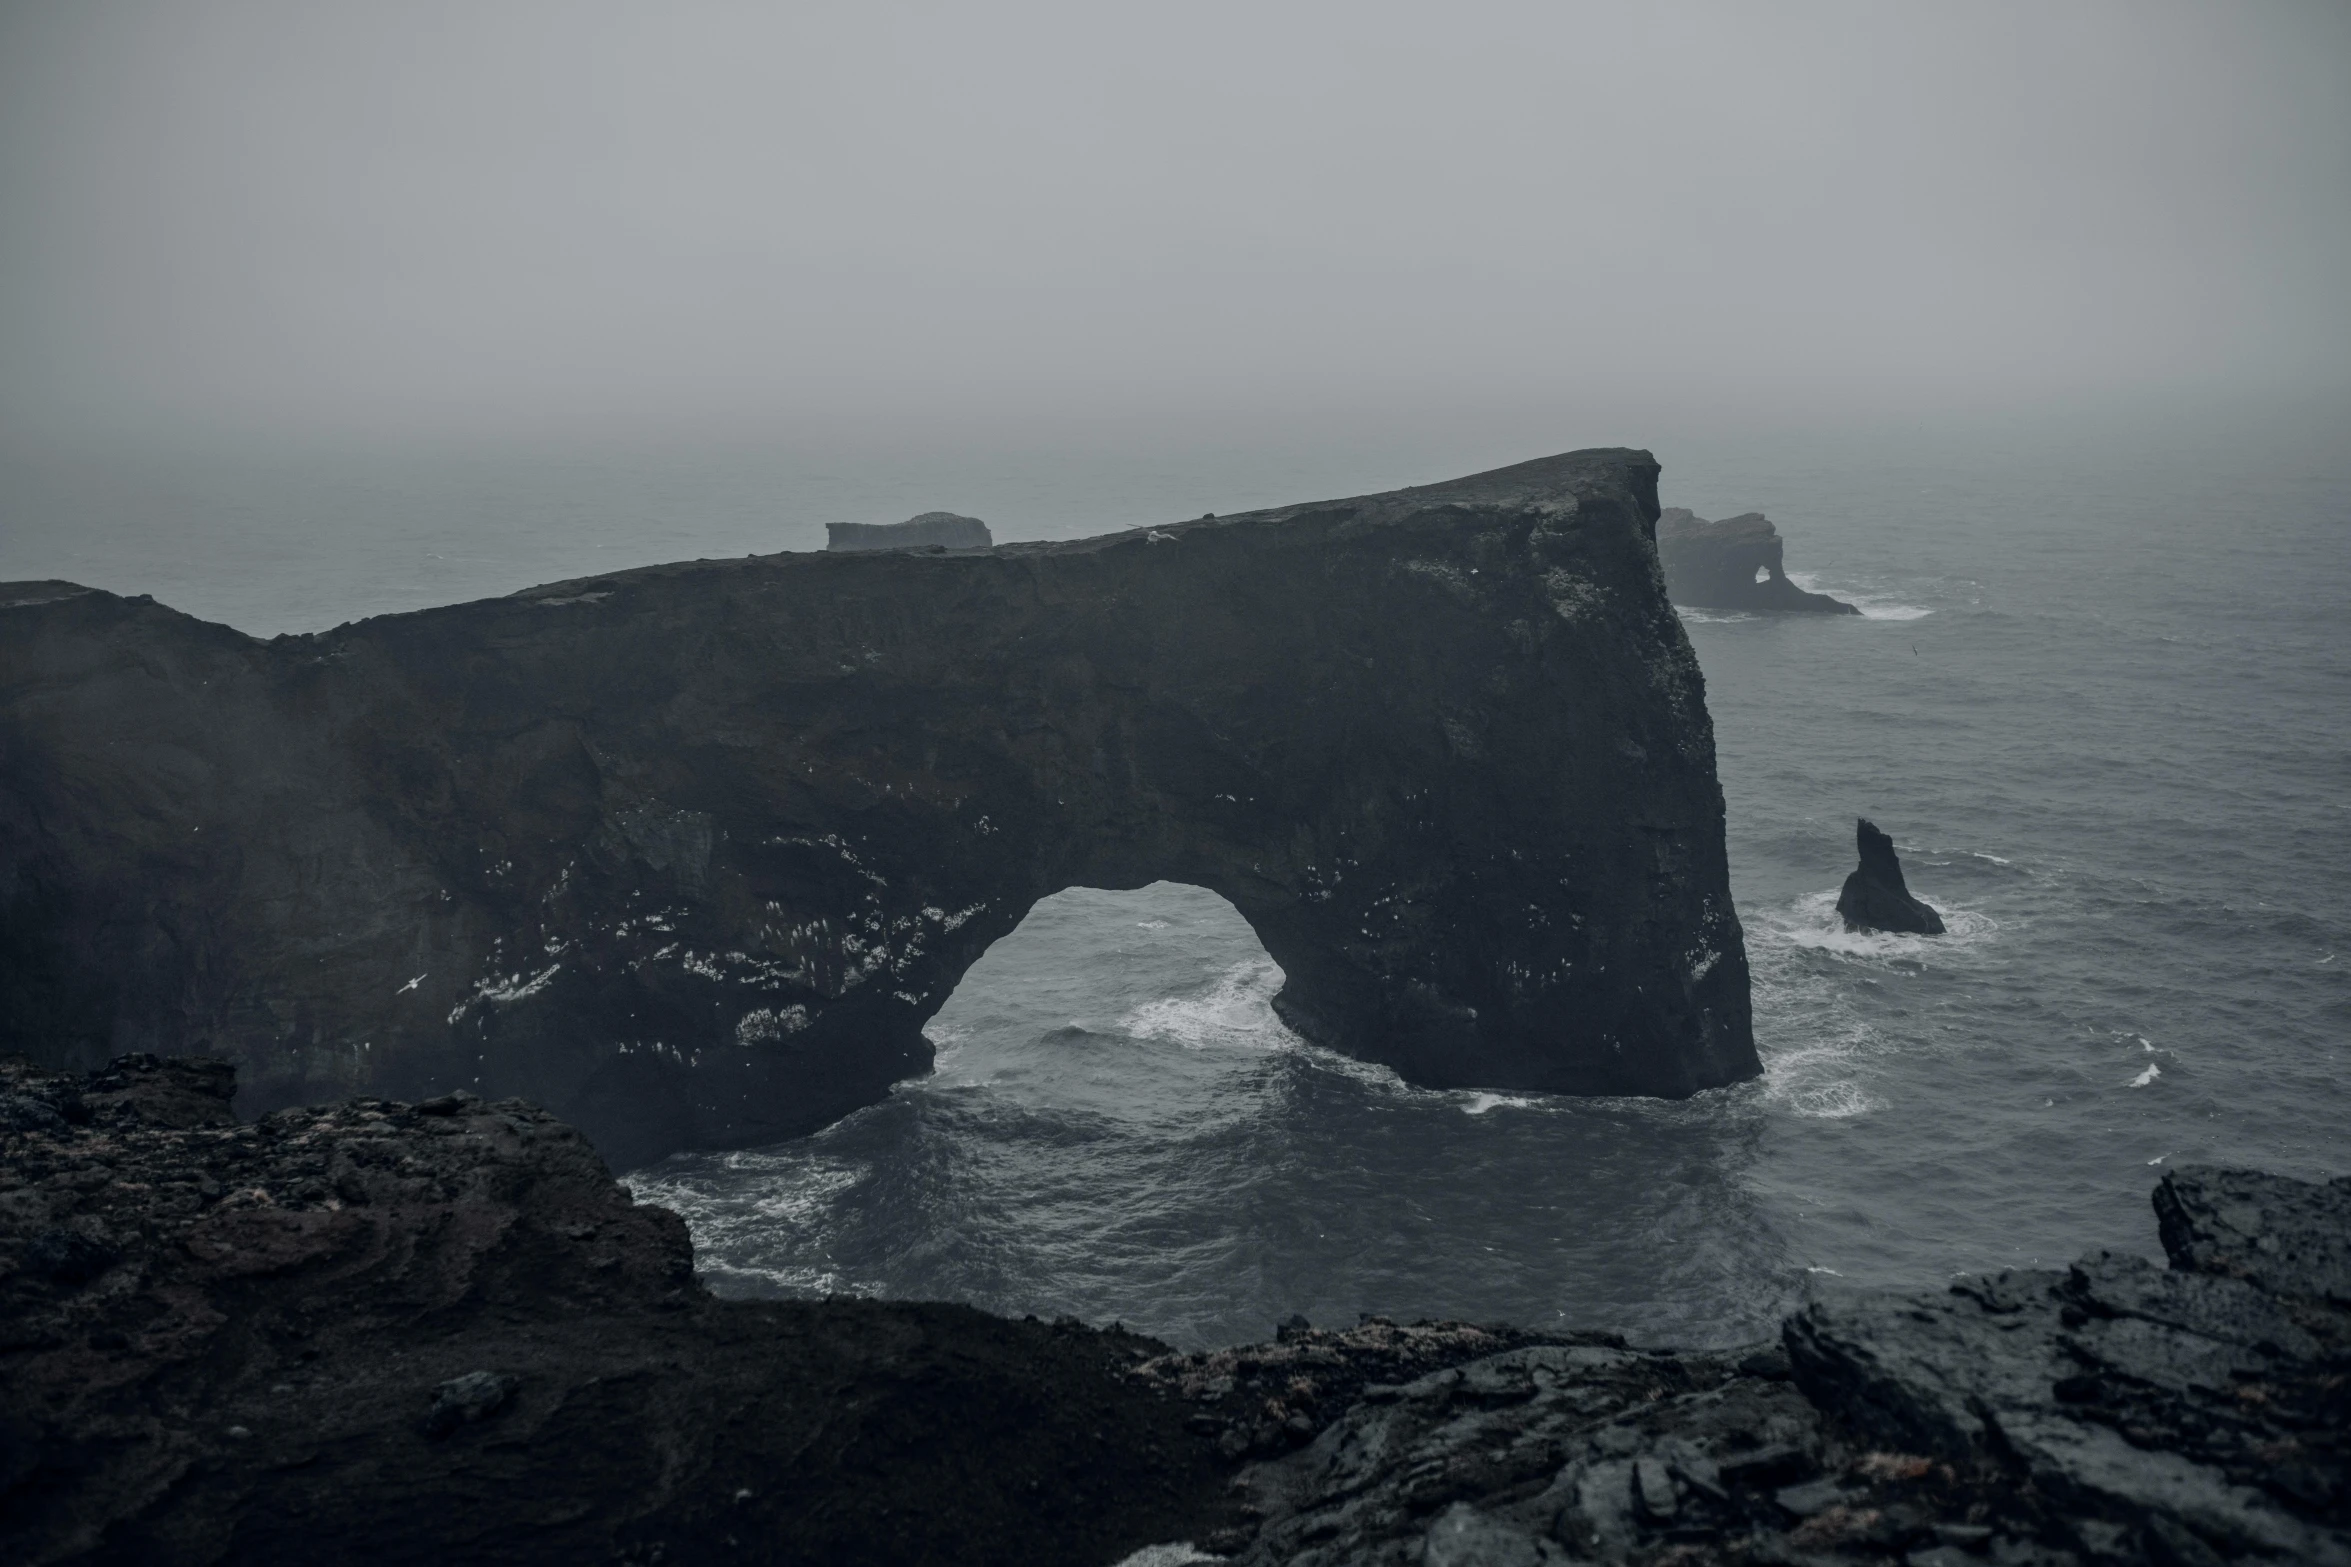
2100	695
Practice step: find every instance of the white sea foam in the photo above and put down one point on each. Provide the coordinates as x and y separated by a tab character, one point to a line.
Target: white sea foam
765	1206
1180	1554
1479	1104
1368	1074
787	1191
1873	606
807	1201
1712	617
1820	1079
1812	921
801	1282
2144	1078
1237	1011
1816	1052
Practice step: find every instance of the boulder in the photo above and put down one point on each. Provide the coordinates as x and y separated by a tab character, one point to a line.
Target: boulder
1875	897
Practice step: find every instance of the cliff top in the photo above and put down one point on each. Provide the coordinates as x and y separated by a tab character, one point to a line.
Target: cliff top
1679	522
1565	478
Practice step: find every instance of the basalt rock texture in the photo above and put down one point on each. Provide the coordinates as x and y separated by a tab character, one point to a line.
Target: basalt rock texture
1732	564
690	853
2116	1412
1875	897
441	1333
942	530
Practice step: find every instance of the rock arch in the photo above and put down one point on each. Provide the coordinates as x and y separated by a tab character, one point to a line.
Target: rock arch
690	853
1732	564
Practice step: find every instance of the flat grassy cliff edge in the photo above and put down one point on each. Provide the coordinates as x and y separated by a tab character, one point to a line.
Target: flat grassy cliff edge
689	854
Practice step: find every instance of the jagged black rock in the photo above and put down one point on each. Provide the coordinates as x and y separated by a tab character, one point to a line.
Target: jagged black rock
1875	897
442	1333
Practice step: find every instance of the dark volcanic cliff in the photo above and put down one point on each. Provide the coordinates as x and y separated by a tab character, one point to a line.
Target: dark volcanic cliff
690	853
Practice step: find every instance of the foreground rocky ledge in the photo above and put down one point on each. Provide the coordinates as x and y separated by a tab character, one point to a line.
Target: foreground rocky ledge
441	1332
689	854
2114	1412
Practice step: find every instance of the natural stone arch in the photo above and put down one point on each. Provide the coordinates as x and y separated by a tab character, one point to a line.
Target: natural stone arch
691	853
1736	563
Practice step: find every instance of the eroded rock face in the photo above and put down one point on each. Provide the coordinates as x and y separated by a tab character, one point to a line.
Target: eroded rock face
689	854
1875	897
1732	564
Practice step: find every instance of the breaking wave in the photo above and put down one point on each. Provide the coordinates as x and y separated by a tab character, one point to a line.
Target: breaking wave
1237	1010
1873	605
1812	921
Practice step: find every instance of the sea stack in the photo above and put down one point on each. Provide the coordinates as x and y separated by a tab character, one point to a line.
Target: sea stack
930	530
1875	897
1732	564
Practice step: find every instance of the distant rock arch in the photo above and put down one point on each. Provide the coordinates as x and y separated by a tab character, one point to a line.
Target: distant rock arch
1732	564
690	853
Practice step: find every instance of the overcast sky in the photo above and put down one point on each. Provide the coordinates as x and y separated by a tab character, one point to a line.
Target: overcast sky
414	217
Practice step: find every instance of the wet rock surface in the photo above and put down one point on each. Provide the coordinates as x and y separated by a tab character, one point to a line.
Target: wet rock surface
2116	1412
1732	564
1875	897
442	1333
689	854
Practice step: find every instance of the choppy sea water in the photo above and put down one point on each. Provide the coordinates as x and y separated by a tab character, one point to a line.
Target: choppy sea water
2102	700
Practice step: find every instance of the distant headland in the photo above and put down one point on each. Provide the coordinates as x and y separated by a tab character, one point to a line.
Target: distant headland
930	530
